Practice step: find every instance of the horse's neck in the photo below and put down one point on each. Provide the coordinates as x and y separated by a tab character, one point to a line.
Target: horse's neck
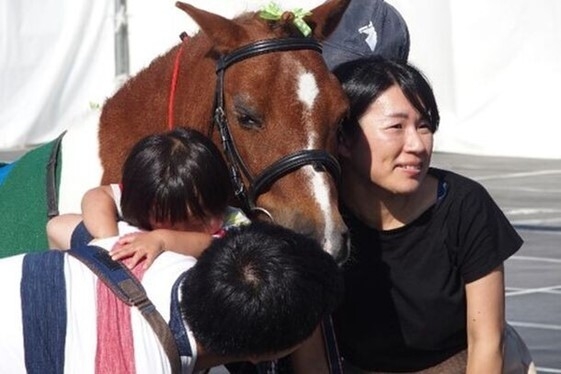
145	93
156	78
142	105
195	86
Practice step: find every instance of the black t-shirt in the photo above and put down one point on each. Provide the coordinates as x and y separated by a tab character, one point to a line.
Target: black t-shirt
405	307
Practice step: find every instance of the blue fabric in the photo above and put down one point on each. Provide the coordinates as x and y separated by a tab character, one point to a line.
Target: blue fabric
442	190
4	171
111	272
43	308
176	321
80	236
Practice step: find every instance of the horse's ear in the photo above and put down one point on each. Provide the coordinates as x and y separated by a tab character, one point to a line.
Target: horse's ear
325	17
224	33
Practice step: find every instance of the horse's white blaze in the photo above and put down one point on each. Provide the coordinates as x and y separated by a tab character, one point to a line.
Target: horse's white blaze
320	190
81	165
307	90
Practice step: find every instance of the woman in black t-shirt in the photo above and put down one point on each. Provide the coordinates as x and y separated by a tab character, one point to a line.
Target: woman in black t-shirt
425	281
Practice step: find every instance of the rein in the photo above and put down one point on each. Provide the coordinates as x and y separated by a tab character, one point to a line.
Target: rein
319	159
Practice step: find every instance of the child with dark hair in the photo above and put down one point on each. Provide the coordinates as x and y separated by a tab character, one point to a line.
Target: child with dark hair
256	294
175	187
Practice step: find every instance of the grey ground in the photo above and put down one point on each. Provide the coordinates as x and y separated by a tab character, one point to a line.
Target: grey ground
529	193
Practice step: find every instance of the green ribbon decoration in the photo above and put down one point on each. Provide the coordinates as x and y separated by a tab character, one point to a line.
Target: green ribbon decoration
273	12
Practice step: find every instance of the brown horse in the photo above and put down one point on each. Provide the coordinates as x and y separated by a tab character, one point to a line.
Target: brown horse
273	99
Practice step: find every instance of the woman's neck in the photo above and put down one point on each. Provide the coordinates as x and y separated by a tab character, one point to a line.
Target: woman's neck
384	210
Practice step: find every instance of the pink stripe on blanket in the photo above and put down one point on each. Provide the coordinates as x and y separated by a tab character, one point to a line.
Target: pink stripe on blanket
115	345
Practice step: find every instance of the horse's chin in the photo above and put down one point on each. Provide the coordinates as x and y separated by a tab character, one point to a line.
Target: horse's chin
339	247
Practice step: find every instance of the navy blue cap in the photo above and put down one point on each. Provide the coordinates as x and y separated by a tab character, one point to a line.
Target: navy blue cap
368	27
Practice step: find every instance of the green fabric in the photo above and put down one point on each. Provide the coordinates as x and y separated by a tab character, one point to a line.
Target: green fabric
23	203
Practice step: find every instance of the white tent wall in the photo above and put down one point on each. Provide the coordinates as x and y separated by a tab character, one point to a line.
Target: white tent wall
495	65
56	56
496	70
155	26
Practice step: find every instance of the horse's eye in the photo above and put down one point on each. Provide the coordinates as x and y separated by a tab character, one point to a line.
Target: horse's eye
248	121
246	114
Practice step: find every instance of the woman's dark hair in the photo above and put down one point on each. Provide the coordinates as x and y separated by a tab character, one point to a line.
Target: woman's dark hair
259	290
174	176
365	79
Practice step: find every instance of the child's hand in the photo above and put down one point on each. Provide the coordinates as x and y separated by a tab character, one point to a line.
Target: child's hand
139	245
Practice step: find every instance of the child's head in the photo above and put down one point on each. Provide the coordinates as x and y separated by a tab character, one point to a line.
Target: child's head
260	290
174	179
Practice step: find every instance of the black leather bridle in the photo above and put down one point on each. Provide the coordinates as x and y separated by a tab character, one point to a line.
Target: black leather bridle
319	159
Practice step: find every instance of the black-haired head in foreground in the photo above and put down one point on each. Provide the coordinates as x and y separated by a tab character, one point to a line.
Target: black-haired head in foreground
259	290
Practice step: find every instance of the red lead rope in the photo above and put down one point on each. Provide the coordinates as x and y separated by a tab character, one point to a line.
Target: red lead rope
173	86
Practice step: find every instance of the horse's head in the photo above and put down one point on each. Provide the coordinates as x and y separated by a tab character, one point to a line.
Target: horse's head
276	100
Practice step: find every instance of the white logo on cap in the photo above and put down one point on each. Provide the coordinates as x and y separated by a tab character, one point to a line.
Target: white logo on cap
371	35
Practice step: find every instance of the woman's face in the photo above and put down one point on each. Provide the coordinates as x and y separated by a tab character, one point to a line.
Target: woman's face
393	146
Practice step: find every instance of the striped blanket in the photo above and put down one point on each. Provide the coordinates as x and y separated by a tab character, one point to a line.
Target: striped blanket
58	318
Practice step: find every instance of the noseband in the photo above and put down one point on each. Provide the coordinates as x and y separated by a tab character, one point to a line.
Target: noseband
319	159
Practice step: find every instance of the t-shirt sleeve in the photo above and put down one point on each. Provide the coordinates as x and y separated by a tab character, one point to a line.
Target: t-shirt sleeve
485	236
116	189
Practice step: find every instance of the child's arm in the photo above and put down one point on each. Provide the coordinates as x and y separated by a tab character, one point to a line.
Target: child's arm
150	244
100	212
60	228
